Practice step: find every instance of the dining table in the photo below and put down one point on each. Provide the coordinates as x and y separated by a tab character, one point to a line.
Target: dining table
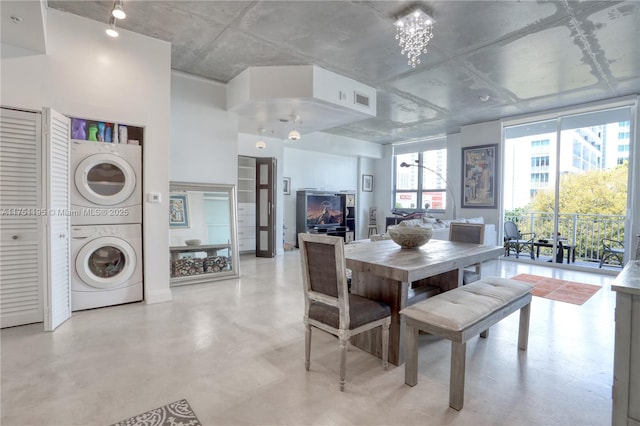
384	271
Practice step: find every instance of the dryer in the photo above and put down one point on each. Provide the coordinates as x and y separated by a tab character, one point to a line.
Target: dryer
106	265
106	183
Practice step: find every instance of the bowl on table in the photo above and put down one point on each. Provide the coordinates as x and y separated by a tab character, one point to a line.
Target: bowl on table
410	237
192	242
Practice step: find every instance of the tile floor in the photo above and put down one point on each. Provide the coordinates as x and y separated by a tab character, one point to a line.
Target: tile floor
235	350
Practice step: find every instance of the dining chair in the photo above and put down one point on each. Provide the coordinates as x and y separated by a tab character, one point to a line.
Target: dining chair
515	240
468	233
611	248
328	304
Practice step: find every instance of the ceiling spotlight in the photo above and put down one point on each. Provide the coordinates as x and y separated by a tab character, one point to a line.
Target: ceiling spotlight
294	135
261	144
111	31
484	98
117	11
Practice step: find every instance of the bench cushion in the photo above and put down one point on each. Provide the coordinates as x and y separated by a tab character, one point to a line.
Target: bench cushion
459	308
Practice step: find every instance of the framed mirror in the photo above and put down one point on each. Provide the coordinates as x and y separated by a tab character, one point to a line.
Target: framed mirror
202	230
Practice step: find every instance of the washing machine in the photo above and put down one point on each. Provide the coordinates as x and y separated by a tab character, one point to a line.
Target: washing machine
106	183
106	264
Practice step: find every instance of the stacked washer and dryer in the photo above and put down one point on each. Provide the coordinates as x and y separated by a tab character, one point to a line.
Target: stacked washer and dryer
106	224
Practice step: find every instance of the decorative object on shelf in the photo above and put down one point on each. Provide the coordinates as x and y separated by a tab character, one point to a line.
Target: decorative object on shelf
410	237
294	135
261	144
178	211
479	176
453	197
195	242
367	183
78	129
286	185
413	32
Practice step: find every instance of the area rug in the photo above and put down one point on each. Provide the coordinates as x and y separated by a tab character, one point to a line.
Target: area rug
561	290
177	413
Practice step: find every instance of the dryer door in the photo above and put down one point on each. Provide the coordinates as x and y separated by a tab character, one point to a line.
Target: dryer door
105	179
106	262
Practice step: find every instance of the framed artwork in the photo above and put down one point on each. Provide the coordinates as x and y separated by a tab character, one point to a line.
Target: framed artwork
479	176
286	186
178	211
367	183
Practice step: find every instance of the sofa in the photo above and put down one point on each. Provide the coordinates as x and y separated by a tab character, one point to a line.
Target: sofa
441	227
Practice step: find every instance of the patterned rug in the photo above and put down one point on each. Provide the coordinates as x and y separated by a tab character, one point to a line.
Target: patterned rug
177	413
561	290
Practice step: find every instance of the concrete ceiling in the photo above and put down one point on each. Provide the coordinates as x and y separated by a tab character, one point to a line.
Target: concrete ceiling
527	56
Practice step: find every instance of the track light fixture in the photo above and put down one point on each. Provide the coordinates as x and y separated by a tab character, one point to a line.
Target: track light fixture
294	135
117	11
111	30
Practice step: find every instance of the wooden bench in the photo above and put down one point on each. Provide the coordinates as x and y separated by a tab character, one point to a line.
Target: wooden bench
460	314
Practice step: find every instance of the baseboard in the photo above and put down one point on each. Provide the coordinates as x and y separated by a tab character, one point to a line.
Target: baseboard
158	296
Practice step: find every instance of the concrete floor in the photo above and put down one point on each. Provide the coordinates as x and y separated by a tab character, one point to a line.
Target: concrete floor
235	350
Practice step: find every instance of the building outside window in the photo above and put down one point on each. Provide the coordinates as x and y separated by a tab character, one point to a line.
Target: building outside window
421	188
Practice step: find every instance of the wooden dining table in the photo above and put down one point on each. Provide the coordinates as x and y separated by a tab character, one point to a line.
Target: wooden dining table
384	271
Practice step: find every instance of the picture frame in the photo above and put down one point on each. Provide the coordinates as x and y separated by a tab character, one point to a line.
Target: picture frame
286	186
479	176
178	211
367	183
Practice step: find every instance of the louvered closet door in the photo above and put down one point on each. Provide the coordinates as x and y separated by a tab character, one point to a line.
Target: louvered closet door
22	239
58	294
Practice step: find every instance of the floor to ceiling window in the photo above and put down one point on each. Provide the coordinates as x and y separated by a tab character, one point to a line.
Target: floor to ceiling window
565	181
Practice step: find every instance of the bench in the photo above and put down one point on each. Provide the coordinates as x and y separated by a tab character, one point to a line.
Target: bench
460	314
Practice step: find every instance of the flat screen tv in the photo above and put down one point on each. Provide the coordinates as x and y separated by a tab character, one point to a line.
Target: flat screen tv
325	211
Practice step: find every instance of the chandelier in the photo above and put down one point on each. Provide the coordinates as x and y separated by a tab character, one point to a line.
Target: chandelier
413	33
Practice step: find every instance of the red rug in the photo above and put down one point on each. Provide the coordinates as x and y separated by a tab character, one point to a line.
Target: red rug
561	290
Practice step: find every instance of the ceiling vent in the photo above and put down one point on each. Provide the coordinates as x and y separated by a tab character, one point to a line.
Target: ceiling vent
361	99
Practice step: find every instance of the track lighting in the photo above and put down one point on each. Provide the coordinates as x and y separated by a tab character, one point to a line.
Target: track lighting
111	31
117	11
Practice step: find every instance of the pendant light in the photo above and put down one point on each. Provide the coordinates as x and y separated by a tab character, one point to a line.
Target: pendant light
111	30
261	144
117	11
294	135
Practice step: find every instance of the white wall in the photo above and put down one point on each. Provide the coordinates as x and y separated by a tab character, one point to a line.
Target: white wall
127	80
204	136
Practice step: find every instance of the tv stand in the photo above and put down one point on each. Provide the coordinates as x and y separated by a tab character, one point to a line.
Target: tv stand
343	211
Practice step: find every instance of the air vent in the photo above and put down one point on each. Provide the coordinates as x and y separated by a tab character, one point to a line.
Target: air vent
361	99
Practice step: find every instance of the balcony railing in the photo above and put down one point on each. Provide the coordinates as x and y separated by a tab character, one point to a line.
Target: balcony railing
586	231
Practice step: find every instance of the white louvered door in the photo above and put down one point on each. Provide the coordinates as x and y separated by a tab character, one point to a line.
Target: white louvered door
58	288
22	242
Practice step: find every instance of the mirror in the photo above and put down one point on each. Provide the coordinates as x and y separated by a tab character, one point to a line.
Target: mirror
202	231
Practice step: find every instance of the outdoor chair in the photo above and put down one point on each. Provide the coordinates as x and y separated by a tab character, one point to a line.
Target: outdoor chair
611	248
517	241
468	233
328	304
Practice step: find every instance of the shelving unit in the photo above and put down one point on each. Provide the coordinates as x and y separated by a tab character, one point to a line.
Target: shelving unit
80	131
246	204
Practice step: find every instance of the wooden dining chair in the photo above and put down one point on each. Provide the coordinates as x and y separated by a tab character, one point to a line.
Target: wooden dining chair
328	304
468	233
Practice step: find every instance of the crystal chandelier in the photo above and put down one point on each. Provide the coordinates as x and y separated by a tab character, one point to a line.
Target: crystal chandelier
413	33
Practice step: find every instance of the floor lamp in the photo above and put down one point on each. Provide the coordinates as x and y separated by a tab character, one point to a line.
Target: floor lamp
453	198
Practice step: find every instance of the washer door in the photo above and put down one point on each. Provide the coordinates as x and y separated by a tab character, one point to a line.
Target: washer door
106	262
105	179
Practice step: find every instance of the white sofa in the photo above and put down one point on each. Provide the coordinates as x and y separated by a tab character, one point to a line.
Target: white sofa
441	228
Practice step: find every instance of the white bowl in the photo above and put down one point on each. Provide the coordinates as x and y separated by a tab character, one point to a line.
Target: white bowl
409	237
192	242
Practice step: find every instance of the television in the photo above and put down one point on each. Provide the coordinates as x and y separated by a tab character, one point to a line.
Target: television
325	211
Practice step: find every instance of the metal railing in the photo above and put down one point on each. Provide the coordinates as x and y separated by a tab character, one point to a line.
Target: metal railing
585	231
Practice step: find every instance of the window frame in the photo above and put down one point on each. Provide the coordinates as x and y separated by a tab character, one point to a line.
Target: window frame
420	190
